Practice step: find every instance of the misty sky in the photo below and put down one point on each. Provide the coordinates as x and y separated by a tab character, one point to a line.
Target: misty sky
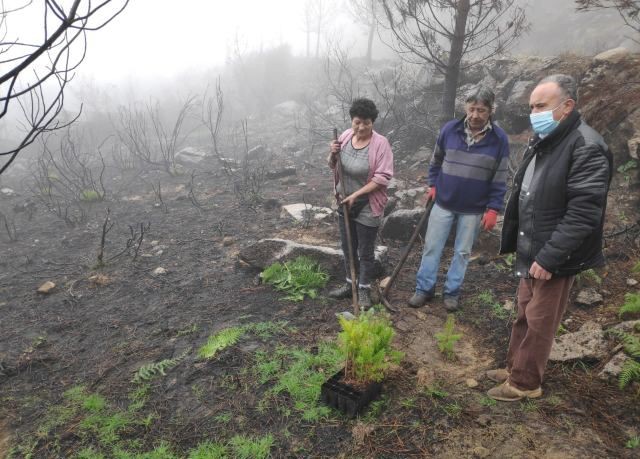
160	39
167	37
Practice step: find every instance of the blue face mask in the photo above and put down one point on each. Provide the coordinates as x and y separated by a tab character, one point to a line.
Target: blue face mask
543	122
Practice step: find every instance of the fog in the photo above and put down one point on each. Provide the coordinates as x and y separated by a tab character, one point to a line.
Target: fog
266	53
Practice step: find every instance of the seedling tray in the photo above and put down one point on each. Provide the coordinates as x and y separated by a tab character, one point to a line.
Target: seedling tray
346	398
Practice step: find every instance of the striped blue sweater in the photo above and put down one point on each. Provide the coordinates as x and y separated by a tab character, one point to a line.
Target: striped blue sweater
462	174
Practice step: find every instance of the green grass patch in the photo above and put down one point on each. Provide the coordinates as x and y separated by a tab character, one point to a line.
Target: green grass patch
299	374
266	330
487	299
528	406
487	401
298	278
223	418
90	196
139	397
435	391
89	453
589	276
209	450
633	442
376	409
244	447
452	409
162	451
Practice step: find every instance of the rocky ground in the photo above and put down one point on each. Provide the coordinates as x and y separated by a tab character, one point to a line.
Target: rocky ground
194	273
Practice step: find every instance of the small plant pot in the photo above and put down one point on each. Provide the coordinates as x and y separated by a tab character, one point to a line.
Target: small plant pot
346	398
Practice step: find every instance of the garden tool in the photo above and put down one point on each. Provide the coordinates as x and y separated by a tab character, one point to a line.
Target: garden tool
385	284
347	225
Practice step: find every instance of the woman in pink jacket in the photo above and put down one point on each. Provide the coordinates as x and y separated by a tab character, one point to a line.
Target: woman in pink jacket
367	163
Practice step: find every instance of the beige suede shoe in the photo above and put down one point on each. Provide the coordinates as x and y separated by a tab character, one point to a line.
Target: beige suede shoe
500	375
505	392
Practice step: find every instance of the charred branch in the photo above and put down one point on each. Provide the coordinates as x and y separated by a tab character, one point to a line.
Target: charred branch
35	74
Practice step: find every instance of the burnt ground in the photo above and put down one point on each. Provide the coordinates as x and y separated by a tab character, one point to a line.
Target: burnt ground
98	326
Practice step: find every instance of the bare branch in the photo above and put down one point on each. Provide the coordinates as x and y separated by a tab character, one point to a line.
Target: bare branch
50	62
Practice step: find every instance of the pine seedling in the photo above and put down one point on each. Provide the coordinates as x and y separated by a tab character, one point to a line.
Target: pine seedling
447	338
365	344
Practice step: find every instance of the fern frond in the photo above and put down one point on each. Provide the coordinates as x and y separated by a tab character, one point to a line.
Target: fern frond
630	372
149	371
630	342
221	340
631	304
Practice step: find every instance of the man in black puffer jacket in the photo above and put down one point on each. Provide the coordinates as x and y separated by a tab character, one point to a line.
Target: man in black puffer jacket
553	221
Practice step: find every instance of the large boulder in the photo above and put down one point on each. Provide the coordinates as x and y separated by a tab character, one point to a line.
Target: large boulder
588	343
589	297
301	211
281	172
190	156
400	224
612	56
268	251
614	366
514	114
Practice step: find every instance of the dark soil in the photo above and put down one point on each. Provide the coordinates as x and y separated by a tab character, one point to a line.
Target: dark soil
97	331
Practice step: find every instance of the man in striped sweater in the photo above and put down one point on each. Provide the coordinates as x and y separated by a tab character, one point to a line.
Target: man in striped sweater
467	180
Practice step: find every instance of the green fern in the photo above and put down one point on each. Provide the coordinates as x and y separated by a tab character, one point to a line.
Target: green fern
636	268
151	370
297	278
630	373
221	340
631	369
630	342
631	304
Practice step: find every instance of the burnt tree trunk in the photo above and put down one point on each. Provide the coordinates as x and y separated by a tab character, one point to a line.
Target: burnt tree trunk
372	31
452	71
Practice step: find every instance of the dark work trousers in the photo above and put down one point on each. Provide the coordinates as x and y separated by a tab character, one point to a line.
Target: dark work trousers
363	240
541	305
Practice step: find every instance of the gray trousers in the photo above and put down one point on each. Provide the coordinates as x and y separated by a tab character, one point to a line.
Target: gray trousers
363	241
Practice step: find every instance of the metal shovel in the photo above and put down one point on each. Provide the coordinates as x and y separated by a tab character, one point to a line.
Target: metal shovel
347	226
385	284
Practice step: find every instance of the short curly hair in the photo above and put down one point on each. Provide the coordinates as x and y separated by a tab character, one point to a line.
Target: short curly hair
363	108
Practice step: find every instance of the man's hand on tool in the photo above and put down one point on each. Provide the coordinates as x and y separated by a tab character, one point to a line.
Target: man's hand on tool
430	195
489	219
538	272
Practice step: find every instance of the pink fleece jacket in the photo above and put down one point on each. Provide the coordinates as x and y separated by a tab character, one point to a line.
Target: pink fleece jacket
380	168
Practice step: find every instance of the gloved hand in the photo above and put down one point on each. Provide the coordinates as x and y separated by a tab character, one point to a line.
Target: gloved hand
431	194
489	219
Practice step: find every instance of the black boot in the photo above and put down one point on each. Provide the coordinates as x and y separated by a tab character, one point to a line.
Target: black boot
344	291
364	300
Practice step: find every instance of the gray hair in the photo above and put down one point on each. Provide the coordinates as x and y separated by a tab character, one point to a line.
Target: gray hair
566	83
481	94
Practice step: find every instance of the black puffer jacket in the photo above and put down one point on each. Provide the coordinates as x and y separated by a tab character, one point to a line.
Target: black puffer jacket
560	224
